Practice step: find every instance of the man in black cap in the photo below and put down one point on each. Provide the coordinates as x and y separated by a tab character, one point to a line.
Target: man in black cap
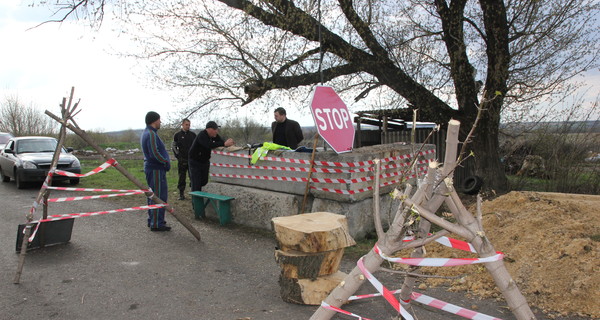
182	141
199	156
156	165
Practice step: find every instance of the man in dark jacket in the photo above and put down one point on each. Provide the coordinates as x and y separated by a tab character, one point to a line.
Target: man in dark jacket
199	157
286	132
156	165
182	142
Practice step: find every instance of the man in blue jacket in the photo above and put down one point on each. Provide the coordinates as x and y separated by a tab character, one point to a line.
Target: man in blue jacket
156	165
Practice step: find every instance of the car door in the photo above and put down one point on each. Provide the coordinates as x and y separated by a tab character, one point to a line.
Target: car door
8	160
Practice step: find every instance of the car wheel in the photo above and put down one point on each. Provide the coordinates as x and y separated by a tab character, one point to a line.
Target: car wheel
20	183
74	182
472	185
4	178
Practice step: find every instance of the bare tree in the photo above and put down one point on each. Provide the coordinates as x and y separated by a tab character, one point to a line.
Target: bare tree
22	120
432	55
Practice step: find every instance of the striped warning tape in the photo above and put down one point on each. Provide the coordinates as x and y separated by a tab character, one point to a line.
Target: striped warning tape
318	170
439	262
330	307
87	214
64	199
318	180
448	242
434	303
387	294
325	163
94	190
102	167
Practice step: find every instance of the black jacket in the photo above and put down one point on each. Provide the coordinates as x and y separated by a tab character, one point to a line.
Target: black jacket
202	146
293	133
182	142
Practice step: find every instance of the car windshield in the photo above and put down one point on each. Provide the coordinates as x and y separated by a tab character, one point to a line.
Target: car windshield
36	145
4	137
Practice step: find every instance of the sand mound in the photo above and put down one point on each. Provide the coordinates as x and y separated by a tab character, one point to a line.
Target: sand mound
552	251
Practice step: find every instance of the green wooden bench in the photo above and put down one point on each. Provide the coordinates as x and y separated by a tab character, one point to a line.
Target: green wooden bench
220	203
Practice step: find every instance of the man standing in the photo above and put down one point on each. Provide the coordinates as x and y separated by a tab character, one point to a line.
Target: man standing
156	165
286	132
182	142
199	157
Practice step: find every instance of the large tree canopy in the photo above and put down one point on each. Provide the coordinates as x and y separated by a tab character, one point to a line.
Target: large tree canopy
444	57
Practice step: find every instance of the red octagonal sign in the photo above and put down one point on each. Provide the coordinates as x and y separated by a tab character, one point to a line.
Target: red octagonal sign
332	119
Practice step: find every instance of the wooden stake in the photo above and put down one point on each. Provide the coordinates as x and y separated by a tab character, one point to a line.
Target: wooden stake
312	165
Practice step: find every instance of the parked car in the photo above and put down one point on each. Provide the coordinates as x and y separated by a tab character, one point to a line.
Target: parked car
28	159
4	137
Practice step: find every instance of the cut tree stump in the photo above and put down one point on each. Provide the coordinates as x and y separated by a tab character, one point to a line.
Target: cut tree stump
312	232
307	291
311	246
300	265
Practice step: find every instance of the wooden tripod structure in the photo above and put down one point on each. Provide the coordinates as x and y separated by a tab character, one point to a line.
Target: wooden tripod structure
434	191
67	121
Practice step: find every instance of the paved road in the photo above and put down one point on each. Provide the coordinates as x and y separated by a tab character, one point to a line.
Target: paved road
114	268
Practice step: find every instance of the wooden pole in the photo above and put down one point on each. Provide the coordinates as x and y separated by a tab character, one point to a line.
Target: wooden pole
376	197
310	170
133	179
66	112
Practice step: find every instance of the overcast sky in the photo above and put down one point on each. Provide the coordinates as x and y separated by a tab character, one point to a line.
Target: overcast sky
41	64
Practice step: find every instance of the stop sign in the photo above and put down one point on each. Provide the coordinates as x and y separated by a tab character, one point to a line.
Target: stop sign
332	119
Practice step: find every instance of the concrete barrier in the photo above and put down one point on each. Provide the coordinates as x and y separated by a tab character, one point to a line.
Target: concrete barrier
275	186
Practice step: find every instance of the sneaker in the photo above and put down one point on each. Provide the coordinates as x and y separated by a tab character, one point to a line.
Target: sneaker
163	228
181	197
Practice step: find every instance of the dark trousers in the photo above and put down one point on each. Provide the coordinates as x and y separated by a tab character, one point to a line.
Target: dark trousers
198	174
157	181
183	171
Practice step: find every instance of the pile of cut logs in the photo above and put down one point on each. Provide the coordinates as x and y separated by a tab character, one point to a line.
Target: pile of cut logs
311	247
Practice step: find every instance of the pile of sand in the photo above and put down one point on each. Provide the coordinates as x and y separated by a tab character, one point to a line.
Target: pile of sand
550	241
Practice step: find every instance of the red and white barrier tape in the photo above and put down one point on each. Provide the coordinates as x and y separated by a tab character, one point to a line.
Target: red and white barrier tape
387	294
95	190
64	199
87	214
325	163
336	309
451	308
449	242
348	192
434	303
318	170
102	167
439	262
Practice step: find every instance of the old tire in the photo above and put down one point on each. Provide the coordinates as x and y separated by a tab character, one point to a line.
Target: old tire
472	185
74	182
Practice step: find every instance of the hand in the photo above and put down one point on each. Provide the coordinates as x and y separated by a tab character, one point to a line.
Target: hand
229	142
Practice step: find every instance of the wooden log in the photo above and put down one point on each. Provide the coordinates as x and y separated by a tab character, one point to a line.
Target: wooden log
312	232
300	265
307	291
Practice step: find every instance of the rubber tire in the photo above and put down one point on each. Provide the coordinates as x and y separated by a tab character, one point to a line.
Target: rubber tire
4	178
472	185
74	181
20	184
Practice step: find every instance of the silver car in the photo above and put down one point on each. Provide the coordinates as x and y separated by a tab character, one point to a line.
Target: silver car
28	159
